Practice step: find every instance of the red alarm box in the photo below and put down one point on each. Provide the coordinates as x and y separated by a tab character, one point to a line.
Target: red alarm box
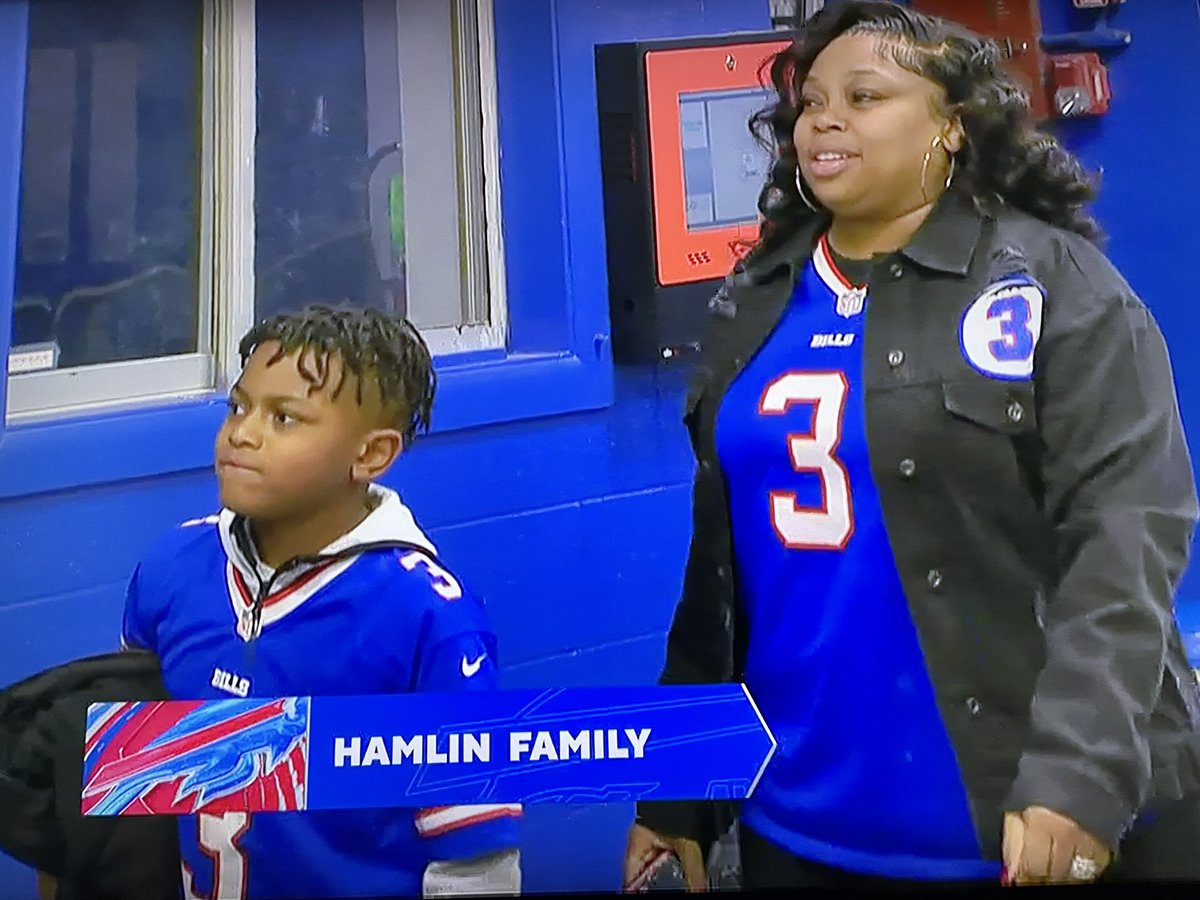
1078	85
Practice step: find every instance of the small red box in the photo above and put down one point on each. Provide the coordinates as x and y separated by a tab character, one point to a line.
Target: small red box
1078	85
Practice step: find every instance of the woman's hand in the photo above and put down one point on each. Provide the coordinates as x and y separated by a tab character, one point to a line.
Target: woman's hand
644	845
1045	847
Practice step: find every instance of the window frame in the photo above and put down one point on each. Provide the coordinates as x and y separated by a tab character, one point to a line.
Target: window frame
54	393
556	356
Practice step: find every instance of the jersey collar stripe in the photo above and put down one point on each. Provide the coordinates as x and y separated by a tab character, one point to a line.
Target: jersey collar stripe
296	585
248	598
827	269
243	589
284	603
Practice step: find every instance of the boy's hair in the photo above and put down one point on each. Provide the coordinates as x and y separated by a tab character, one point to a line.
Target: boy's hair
372	345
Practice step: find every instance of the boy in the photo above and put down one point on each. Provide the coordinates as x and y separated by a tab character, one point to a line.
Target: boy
314	580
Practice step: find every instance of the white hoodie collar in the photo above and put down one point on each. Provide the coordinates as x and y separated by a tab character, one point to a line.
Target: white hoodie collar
390	520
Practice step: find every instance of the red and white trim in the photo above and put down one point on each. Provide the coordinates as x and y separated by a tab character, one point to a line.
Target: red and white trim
390	520
851	297
439	820
283	601
833	277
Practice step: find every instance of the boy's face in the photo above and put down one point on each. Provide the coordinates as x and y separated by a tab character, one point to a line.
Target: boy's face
288	448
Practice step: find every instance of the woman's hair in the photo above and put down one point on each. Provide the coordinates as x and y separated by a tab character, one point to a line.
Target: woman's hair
1004	160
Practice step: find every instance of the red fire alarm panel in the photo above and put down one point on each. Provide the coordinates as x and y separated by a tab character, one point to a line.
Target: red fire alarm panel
1078	85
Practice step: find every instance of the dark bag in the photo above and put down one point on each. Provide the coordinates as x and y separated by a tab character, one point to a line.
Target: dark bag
43	727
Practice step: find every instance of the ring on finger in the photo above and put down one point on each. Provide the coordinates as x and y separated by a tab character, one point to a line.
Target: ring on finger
1083	868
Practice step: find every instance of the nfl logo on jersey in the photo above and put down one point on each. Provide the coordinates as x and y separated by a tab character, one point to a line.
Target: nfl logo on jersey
850	302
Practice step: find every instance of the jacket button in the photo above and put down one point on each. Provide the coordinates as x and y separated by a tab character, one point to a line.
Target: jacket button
973	706
897	270
1016	412
934	579
723	572
737	362
908	468
705	466
895	358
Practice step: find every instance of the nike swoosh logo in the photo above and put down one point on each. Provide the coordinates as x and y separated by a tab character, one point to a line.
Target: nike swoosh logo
471	668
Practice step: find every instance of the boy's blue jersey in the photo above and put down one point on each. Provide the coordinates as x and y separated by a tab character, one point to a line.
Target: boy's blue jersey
865	777
386	620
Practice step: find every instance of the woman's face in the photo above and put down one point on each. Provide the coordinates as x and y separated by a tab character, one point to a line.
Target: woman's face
864	128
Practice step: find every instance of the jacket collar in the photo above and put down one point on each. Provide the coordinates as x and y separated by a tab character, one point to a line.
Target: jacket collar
792	252
945	242
947	238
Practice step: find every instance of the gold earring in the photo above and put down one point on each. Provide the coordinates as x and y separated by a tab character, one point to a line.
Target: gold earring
804	194
937	142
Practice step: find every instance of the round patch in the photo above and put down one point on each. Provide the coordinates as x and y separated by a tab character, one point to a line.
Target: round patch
1000	330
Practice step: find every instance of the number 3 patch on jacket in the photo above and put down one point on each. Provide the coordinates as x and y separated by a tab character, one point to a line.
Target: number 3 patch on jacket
1000	329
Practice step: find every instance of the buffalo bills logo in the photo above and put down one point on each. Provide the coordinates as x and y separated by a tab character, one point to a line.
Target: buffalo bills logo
181	757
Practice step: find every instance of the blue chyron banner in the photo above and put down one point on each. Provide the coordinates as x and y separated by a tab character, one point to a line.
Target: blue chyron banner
579	745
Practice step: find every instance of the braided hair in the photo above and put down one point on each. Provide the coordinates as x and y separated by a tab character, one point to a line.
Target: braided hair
373	346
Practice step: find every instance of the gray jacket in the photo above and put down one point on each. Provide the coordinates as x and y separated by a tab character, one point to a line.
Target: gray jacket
1039	523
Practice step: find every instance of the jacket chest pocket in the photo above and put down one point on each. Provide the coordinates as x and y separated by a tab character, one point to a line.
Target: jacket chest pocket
1006	407
989	428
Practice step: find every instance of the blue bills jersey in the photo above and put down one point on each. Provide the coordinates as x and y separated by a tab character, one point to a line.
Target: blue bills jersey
865	777
388	619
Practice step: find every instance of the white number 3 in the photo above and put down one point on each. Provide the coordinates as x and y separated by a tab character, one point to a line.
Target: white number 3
218	838
807	528
443	582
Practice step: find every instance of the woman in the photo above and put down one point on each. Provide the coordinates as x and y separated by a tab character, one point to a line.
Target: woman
942	499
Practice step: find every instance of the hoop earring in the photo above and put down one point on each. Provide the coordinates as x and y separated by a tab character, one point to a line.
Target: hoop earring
937	142
803	195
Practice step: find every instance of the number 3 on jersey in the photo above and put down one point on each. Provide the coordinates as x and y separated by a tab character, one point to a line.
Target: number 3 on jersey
444	584
219	839
807	528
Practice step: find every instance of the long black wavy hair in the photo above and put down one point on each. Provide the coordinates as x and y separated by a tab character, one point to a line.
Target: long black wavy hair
1004	160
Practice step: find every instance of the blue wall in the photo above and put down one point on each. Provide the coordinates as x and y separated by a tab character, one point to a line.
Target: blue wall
573	526
1146	149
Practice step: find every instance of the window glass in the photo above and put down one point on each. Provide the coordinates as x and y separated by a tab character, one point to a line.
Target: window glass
368	162
107	237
